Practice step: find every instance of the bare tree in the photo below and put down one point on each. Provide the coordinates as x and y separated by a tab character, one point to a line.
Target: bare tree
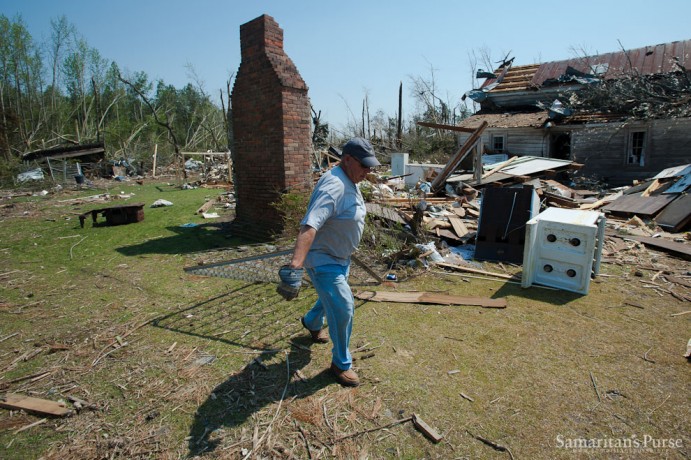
164	123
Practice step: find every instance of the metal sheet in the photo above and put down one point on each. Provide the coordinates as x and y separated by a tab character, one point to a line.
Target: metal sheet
675	171
533	165
647	60
680	185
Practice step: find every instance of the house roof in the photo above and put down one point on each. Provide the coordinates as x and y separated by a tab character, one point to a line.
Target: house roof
647	60
72	151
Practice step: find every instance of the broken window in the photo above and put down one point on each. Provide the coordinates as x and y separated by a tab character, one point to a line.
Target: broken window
636	153
498	143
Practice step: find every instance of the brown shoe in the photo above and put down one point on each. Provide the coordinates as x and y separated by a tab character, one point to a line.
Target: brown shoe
320	336
346	378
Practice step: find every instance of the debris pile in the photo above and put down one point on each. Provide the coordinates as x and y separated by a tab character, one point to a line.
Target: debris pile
444	226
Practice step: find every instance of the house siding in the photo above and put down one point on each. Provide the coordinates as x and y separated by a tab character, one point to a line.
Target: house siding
518	141
603	149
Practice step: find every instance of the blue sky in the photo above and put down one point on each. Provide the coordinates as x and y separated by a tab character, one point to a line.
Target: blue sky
348	49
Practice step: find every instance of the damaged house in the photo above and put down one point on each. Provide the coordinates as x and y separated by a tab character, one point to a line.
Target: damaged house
624	116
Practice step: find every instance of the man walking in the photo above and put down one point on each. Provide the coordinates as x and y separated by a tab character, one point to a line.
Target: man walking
329	233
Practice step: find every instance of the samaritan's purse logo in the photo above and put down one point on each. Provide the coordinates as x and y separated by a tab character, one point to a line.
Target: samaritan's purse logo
619	444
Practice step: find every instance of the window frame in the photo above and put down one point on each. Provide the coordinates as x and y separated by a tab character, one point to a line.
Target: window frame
503	137
636	150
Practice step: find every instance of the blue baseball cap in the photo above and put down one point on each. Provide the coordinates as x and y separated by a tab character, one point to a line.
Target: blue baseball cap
362	151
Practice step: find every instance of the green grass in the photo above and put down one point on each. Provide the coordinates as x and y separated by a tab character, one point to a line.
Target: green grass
528	367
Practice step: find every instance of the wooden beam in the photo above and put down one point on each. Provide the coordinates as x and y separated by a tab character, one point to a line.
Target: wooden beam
458	157
500	166
458	226
366	268
447	127
430	298
477	164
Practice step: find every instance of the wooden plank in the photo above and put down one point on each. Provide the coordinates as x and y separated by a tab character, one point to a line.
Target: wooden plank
448	234
206	206
654	185
480	272
427	430
498	167
15	401
682	250
560	201
460	211
430	298
458	225
416	199
448	127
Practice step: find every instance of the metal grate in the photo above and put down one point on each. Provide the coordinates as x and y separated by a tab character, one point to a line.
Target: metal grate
261	267
255	264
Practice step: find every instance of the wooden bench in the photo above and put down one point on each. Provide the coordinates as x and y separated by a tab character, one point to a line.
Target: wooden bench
116	215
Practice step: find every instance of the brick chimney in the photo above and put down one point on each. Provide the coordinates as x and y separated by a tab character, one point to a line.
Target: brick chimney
271	129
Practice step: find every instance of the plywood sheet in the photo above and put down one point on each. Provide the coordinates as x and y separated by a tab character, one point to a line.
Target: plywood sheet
676	215
639	205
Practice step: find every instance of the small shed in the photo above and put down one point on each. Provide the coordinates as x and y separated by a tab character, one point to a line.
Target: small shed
65	163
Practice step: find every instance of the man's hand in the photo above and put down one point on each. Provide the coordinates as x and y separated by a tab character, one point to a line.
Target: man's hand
291	281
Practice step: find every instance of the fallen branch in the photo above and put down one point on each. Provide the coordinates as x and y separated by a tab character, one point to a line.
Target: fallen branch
597	392
74	245
360	433
492	444
645	356
118	340
304	438
31	425
8	337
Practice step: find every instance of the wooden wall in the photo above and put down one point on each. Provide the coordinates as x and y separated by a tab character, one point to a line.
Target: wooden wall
602	149
518	141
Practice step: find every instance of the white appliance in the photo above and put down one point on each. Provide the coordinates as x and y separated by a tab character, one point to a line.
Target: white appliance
563	248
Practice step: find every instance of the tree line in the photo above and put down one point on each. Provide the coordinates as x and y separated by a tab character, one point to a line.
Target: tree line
64	92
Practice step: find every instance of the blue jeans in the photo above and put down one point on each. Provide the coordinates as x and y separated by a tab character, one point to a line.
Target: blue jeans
336	303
